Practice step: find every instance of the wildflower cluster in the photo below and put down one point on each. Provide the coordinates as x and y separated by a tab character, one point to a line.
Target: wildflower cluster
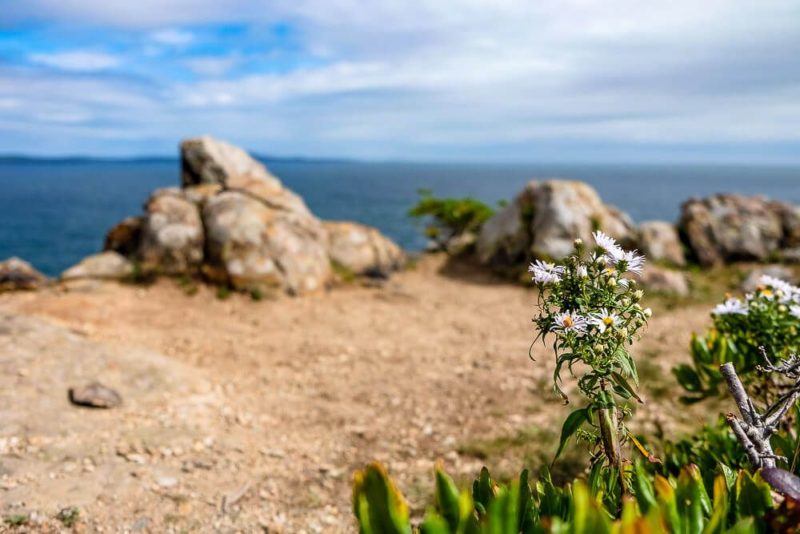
769	317
591	306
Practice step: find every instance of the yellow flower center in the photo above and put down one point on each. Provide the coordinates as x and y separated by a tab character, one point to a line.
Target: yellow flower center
567	321
608	321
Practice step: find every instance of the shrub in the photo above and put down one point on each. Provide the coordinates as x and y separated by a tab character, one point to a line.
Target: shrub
449	218
769	318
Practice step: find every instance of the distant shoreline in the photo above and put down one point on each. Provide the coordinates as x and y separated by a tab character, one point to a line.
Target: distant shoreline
83	160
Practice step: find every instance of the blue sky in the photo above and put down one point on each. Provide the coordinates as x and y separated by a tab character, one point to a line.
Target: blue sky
489	80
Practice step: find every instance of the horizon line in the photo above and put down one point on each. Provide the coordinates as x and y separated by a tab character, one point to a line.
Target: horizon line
156	158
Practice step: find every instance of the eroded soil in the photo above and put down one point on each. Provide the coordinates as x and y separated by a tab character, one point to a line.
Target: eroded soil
241	415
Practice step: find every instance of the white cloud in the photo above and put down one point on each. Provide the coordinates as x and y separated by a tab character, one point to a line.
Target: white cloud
395	77
213	66
76	60
172	37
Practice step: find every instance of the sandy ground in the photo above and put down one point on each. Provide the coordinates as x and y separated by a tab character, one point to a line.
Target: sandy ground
245	416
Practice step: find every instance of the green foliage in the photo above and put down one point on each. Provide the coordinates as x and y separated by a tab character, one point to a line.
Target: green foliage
769	318
449	218
223	292
256	295
141	276
17	520
740	503
69	517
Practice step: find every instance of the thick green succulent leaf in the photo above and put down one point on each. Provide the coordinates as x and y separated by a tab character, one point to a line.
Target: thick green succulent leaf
378	505
447	498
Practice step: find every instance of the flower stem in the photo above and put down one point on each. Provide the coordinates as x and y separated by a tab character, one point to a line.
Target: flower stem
607	420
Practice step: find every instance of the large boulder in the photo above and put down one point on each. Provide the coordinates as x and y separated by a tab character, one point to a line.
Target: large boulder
252	245
544	220
659	241
106	265
17	274
362	250
171	239
205	160
725	228
664	281
753	278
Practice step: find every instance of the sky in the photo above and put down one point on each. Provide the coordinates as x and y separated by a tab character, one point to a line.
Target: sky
426	80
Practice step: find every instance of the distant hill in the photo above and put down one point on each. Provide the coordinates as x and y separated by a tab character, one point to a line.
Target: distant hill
19	159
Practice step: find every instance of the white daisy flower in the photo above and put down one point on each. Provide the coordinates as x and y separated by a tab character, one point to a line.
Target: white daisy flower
794	311
605	242
777	283
786	291
634	262
604	319
731	307
545	273
581	271
570	322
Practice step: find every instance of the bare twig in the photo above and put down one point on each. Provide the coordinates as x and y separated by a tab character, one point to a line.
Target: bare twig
751	431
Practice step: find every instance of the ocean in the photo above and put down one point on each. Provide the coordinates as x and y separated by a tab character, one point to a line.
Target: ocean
53	213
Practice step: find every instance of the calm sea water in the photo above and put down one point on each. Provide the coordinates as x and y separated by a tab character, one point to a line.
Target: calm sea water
53	214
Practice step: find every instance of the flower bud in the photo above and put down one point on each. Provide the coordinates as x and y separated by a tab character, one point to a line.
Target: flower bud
648	312
612	282
638	294
625	301
578	243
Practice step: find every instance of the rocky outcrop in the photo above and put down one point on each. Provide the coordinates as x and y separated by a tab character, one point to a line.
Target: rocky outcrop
237	224
172	234
665	281
362	250
250	244
544	220
725	228
17	274
659	242
108	265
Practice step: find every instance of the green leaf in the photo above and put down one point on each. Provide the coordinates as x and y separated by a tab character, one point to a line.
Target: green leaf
571	425
434	524
643	488
447	498
625	385
377	504
483	491
688	378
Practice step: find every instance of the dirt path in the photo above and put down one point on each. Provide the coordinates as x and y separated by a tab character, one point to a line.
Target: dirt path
242	415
